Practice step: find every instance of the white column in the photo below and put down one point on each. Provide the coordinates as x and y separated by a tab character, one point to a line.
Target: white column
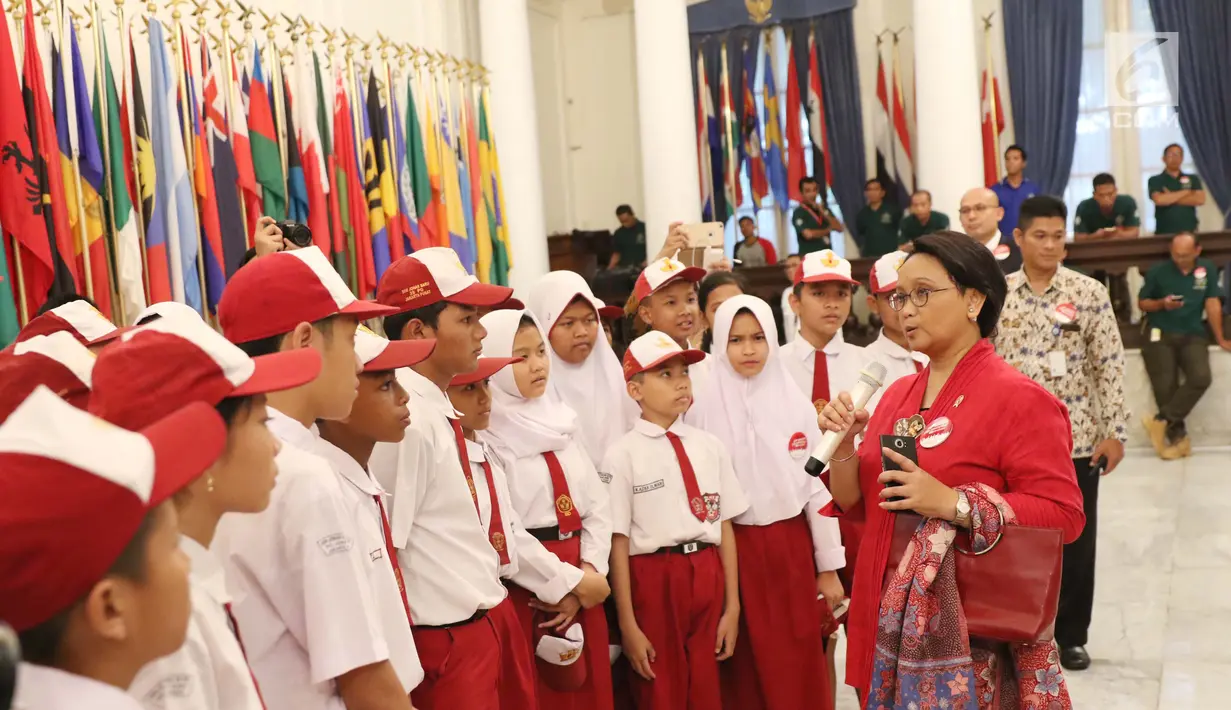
665	101
949	153
504	27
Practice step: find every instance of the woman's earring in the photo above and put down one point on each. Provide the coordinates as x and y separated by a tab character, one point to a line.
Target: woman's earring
972	315
209	484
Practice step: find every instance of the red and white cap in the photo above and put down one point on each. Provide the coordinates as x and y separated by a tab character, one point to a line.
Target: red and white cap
171	362
884	277
556	657
488	366
57	361
653	349
432	275
273	294
81	319
662	272
378	354
75	489
824	265
166	309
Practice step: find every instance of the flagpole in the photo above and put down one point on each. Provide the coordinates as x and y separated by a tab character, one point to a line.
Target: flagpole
992	96
189	153
18	8
276	96
100	79
83	237
224	16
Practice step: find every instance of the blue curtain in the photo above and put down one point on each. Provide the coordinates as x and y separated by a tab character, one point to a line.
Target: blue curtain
1203	87
1042	41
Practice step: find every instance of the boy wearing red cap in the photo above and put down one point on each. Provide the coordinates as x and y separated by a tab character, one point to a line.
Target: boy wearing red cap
673	557
57	361
158	368
666	294
890	347
79	318
320	613
464	626
94	581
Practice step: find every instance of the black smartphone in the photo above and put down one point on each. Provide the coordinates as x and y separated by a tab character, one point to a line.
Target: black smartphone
904	446
1098	466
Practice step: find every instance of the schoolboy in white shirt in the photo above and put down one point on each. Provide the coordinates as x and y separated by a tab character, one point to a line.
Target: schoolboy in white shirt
308	594
673	559
890	348
94	581
57	361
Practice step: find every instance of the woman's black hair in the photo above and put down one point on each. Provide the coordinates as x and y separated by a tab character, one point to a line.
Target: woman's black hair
708	285
971	266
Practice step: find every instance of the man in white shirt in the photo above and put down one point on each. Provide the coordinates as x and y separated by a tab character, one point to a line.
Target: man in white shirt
890	348
981	214
307	593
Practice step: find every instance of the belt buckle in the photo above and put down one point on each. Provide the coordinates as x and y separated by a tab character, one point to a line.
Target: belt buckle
566	536
690	547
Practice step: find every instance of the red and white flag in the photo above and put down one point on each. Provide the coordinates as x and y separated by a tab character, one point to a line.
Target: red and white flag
903	157
993	127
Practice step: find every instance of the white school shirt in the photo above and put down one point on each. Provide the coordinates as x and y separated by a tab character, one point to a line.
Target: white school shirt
43	688
844	362
531	566
649	503
790	321
448	563
209	672
535	499
361	493
699	373
898	361
301	578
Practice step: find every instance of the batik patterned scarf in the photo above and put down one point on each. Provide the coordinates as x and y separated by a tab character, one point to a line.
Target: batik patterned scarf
924	660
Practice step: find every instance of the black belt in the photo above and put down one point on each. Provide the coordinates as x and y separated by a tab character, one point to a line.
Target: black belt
687	548
551	534
473	618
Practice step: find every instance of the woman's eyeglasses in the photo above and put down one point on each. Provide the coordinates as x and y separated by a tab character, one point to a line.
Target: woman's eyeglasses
919	297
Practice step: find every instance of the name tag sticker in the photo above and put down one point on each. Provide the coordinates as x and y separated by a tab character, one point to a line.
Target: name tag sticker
1155	335
646	488
1056	364
335	544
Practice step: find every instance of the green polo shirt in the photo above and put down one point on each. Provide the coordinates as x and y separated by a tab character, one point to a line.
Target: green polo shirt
803	218
912	229
1165	279
1089	217
630	243
1173	219
878	229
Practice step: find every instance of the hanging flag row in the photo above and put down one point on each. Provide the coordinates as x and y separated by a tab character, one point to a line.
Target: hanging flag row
132	194
735	133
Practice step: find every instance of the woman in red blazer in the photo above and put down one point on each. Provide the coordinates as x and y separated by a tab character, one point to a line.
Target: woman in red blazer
991	439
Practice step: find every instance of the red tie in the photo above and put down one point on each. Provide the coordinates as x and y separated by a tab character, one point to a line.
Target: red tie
695	502
820	378
566	513
391	553
239	640
464	460
495	528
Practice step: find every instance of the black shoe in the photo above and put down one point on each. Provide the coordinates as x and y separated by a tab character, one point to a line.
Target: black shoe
1075	658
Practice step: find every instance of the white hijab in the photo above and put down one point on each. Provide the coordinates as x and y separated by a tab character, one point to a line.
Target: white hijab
595	388
757	417
522	427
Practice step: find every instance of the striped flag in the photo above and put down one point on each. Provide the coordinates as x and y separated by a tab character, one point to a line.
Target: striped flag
425	202
158	263
705	116
493	198
234	233
90	160
796	165
816	119
250	189
751	133
213	260
266	159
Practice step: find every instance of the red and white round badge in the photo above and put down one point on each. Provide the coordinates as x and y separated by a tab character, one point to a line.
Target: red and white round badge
798	445
1065	313
936	433
1001	252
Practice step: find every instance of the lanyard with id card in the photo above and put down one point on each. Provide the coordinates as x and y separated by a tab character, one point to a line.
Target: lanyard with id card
1064	316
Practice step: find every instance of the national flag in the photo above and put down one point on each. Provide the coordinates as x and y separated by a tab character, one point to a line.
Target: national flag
493	198
481	219
425	203
315	173
296	185
993	115
705	111
377	227
241	147
22	181
128	268
884	140
352	205
732	159
173	193
903	162
816	119
234	233
67	205
751	133
775	152
464	184
337	234
435	167
212	258
382	142
458	238
796	166
90	160
408	213
158	269
266	158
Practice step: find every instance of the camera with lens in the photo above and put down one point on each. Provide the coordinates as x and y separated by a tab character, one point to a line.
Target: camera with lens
295	233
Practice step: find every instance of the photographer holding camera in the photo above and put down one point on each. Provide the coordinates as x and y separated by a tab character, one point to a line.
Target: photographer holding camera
272	236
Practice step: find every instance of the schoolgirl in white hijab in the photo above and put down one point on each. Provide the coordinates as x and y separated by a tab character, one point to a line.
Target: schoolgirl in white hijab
554	486
585	372
787	551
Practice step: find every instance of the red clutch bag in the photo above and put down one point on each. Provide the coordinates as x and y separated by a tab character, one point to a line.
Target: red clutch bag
1009	591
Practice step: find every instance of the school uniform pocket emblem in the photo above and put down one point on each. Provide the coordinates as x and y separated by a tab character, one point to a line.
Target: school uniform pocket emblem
498	541
820	405
564	505
798	446
713	509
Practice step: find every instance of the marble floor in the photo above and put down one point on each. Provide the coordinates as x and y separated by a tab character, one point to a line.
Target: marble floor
1161	636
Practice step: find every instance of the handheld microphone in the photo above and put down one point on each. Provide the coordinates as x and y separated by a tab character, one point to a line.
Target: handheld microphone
871	379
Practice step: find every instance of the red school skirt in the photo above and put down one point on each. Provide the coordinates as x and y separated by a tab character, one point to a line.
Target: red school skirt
779	661
596	692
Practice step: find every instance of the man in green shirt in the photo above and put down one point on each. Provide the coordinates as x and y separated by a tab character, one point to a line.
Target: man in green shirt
921	220
876	225
628	246
1107	215
812	219
1176	295
1176	195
